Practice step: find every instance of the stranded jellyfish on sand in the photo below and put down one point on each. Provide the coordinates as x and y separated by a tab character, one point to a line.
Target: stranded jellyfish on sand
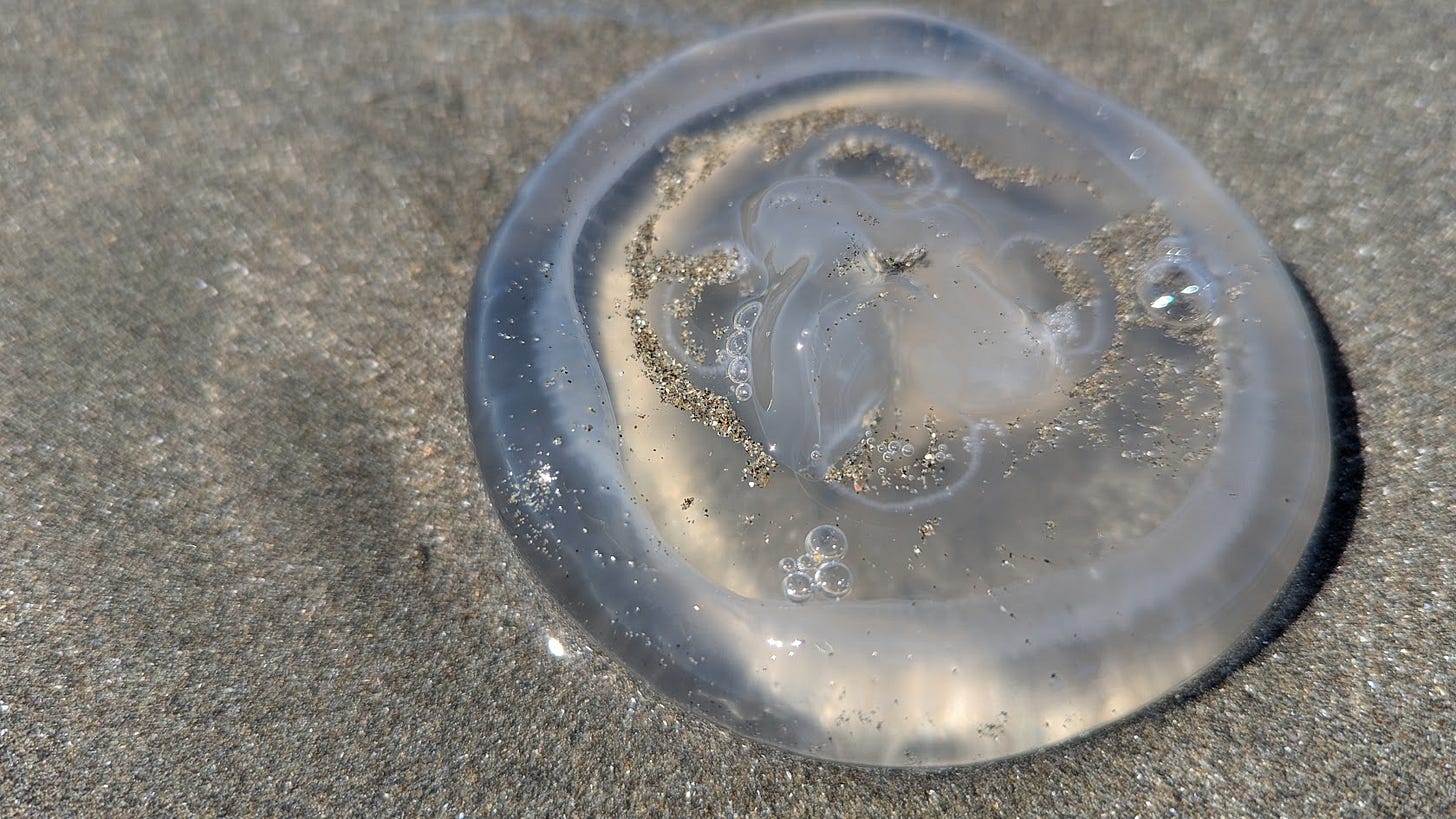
882	395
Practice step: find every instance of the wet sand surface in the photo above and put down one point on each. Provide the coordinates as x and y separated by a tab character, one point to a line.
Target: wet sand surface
246	562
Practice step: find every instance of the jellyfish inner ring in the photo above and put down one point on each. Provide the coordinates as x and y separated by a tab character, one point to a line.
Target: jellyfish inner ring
865	287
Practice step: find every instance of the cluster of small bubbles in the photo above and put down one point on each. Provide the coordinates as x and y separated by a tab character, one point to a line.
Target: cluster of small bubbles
1176	290
902	462
736	348
1062	322
938	455
538	487
819	568
894	449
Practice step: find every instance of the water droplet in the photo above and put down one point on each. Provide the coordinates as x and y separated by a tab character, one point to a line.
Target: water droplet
1138	153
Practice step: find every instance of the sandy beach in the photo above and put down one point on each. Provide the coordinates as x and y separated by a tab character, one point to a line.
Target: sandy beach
246	560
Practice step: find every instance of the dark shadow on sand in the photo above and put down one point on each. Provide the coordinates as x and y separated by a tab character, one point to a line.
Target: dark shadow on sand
313	456
1337	519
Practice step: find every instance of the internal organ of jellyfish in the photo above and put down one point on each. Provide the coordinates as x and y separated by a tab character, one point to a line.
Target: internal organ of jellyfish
874	305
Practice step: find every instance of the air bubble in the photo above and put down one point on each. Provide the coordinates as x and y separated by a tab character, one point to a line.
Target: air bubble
737	343
789	565
742	392
798	586
738	369
827	541
834	579
747	315
1177	292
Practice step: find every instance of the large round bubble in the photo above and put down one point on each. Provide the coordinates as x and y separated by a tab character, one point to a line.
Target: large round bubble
888	398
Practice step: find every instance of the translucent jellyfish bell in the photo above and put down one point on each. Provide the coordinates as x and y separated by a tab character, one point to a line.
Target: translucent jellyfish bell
902	403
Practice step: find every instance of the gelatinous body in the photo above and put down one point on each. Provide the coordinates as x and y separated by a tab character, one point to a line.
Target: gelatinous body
891	399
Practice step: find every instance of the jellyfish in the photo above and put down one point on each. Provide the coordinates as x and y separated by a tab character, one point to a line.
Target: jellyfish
903	402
